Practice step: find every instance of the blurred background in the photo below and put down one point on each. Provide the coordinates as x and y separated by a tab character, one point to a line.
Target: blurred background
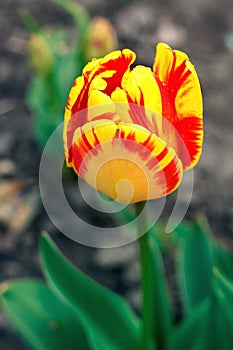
203	29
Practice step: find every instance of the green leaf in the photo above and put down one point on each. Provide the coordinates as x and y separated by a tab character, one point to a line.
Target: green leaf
194	264
108	320
210	324
29	22
217	330
65	72
221	319
223	287
81	21
162	303
56	39
207	327
42	320
188	333
45	115
223	260
77	12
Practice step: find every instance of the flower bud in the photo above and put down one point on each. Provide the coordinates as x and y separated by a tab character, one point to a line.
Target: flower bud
101	38
40	54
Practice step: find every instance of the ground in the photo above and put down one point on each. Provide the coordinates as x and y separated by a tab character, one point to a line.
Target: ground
202	28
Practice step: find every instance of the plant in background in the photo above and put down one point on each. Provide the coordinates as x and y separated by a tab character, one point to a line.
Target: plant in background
55	63
143	126
101	38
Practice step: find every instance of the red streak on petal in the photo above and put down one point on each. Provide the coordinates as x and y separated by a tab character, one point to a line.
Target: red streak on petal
79	110
177	77
168	103
109	116
83	149
168	177
149	143
82	100
191	132
189	128
137	112
96	142
155	161
171	181
163	154
119	65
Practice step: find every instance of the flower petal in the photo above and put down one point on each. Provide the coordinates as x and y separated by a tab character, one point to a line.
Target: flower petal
111	68
103	75
73	95
177	73
140	100
125	161
191	132
142	89
100	105
181	100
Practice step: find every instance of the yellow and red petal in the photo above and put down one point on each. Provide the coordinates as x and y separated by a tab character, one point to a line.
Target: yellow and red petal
105	75
101	107
100	77
141	94
181	101
142	90
73	95
191	133
125	161
178	75
120	99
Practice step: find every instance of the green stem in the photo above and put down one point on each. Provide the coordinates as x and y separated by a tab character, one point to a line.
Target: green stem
81	20
146	279
29	22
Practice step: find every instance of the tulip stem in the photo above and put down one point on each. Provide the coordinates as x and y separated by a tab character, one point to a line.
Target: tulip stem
146	278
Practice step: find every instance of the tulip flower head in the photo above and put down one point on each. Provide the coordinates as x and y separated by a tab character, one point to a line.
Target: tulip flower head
132	133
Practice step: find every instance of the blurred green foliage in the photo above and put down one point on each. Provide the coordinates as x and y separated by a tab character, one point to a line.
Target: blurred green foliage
54	65
74	310
57	56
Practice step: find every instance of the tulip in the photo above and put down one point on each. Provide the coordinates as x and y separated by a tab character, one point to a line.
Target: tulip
41	57
101	38
132	133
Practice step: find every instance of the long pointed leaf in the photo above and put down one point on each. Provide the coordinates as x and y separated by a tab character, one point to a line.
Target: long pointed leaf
210	324
108	320
223	287
194	265
223	260
216	329
42	319
188	334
